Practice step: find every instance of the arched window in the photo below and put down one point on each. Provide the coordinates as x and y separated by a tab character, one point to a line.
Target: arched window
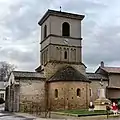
65	29
56	93
65	55
45	31
78	92
90	90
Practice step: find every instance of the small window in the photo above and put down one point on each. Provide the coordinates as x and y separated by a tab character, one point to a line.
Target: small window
65	55
45	31
78	92
90	90
56	93
65	29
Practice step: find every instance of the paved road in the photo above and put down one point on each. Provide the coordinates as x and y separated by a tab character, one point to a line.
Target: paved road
10	116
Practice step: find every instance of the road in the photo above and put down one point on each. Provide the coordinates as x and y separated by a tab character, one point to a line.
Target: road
10	116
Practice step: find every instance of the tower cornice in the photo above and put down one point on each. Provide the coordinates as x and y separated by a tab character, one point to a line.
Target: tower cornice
60	45
52	35
60	14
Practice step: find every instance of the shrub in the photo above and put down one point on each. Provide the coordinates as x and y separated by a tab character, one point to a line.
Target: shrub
2	101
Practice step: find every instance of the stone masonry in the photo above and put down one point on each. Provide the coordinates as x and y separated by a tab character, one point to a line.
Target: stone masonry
32	92
67	95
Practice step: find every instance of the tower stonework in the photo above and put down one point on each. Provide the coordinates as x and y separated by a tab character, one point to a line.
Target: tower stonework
61	41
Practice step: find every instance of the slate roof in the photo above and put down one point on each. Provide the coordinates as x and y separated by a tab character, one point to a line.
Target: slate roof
111	69
96	76
68	73
24	74
60	14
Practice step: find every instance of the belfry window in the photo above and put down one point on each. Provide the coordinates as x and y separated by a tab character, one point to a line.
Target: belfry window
45	31
78	92
56	93
65	55
65	29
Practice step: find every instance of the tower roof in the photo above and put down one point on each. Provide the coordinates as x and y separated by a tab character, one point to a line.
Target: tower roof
68	73
60	14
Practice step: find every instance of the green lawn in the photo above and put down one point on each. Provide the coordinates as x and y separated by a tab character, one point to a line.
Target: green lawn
83	112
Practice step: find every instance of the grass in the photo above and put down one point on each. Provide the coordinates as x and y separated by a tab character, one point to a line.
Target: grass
84	112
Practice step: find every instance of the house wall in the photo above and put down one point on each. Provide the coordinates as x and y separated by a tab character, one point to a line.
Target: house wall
113	93
114	80
94	86
32	91
2	89
67	95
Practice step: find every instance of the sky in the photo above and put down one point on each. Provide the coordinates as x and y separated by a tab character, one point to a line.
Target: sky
20	32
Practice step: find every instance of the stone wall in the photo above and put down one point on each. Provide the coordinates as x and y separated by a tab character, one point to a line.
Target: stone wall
51	68
32	91
67	95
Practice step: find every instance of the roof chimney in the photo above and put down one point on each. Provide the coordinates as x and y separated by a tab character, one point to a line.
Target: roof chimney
102	64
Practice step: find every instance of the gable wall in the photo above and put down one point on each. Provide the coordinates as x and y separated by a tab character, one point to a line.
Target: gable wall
114	80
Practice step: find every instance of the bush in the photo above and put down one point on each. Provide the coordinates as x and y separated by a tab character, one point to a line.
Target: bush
2	101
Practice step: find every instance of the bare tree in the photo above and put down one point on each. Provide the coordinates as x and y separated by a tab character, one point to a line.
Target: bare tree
5	70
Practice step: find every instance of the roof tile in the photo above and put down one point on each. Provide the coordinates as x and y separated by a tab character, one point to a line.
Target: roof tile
24	74
70	74
94	76
111	69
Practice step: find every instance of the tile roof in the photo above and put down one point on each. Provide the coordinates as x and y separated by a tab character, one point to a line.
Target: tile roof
68	73
111	69
24	74
96	76
113	87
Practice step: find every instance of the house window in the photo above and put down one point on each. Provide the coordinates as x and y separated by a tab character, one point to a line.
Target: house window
65	55
2	95
78	92
65	29
45	31
56	93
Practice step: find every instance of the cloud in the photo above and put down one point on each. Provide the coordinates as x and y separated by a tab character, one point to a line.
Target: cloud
20	33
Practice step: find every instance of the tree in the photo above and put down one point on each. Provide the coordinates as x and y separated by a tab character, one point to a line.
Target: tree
5	70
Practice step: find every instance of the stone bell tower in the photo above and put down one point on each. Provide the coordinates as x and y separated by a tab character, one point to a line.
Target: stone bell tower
61	41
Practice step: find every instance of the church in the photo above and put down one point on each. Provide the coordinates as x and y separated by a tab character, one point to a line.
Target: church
61	81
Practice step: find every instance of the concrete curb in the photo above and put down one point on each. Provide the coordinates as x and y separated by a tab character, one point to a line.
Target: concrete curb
72	116
61	113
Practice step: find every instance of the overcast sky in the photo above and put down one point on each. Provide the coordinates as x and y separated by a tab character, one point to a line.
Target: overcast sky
20	33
